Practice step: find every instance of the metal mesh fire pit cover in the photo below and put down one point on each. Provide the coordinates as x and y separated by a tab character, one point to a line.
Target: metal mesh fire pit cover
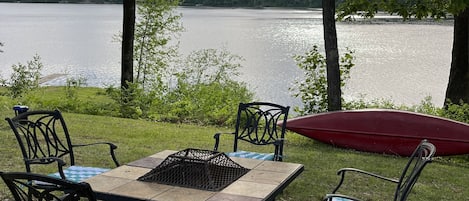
195	168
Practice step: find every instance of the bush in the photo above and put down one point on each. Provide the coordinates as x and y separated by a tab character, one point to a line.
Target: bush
134	102
24	77
213	103
426	106
458	112
206	91
313	89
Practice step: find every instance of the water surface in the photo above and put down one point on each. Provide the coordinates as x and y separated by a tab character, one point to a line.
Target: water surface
398	61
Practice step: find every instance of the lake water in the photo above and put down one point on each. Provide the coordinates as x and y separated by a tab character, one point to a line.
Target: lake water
404	62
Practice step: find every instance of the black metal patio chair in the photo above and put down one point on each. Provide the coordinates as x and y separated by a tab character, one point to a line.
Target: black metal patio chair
43	138
422	155
23	187
259	123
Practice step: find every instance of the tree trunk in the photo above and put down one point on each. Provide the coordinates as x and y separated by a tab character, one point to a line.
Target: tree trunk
332	56
127	67
458	84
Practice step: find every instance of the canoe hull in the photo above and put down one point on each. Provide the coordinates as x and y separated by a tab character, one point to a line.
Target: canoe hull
384	131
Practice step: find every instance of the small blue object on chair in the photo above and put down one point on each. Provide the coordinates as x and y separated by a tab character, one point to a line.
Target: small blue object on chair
259	123
44	139
20	109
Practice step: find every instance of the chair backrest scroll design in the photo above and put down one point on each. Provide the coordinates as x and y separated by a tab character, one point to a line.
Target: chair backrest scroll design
257	123
42	134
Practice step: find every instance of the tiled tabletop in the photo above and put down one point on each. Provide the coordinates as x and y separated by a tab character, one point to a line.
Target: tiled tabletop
264	181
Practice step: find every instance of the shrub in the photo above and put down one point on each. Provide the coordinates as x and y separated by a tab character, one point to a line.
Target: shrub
133	101
313	89
458	112
24	77
212	103
206	91
425	106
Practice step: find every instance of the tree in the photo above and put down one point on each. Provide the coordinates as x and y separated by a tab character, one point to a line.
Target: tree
127	68
145	43
332	56
1	44
458	83
157	24
457	90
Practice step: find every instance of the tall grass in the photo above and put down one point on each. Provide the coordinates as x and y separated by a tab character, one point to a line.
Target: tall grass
444	179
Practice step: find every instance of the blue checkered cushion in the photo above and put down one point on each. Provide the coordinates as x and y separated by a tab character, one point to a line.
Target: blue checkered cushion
80	173
253	155
340	199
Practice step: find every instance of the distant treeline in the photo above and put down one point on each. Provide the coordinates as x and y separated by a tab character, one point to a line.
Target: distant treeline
255	3
67	1
215	3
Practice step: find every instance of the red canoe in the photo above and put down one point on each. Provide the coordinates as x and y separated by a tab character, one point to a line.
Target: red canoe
384	131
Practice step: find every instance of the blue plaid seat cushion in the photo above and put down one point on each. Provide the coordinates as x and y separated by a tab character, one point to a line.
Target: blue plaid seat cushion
80	173
340	199
253	155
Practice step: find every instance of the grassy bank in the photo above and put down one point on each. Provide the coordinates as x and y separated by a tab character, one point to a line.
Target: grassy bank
442	180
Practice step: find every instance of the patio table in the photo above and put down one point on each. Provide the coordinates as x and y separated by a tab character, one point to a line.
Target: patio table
264	181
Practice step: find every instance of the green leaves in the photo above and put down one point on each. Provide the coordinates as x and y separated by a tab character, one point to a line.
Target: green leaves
157	25
206	91
313	89
25	77
199	89
418	9
457	6
365	8
211	65
456	111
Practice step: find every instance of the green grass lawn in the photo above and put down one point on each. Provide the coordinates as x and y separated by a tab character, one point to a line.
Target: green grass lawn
444	179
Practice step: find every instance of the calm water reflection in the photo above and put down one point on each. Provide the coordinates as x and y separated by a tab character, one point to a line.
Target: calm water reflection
403	62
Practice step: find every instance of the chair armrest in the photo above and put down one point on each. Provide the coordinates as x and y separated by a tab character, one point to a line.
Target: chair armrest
278	143
217	140
342	172
329	197
112	147
47	160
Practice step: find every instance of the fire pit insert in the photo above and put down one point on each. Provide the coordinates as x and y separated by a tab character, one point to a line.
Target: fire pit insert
195	168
